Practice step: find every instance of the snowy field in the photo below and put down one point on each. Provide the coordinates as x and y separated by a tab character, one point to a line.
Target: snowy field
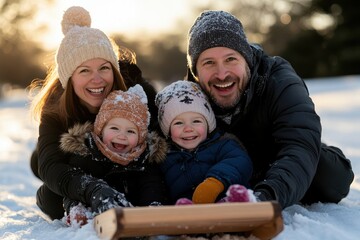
337	102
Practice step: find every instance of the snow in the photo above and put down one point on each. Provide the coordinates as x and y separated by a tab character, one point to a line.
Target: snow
337	102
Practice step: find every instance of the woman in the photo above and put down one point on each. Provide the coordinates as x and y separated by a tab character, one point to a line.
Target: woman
86	71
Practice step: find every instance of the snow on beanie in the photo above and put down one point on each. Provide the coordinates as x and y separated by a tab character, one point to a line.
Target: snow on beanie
216	29
131	105
82	43
179	97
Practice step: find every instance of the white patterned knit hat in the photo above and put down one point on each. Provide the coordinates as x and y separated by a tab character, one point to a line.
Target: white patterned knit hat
179	97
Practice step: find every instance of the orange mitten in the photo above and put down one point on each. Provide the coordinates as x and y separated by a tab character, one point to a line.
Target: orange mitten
207	191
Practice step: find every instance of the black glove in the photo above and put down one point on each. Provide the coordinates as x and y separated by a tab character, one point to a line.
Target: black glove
263	195
101	197
155	204
68	204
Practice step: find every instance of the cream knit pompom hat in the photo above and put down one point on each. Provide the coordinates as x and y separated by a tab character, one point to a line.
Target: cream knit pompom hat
82	43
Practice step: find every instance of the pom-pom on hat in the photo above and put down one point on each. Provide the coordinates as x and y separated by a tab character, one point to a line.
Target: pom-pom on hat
216	29
82	43
179	97
131	105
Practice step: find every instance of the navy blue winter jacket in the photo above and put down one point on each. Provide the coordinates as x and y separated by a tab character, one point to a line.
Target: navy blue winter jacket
219	156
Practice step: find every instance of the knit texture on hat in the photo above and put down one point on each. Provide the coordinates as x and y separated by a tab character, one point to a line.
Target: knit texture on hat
179	97
216	29
82	43
131	105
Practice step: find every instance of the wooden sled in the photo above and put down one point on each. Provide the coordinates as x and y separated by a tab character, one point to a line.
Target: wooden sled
262	219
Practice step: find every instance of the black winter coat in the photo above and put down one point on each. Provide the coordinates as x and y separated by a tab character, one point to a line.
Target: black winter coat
141	180
277	123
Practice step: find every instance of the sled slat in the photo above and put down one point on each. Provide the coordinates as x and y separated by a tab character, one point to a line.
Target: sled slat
262	220
107	225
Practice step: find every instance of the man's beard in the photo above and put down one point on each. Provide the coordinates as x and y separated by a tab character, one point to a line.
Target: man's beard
241	90
229	105
221	104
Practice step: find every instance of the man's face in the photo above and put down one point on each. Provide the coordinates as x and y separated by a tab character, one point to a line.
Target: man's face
223	74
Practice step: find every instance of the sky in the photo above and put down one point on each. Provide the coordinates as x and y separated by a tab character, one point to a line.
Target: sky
141	19
337	102
129	17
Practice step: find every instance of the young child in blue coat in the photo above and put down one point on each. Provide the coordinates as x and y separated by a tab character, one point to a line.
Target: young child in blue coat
202	162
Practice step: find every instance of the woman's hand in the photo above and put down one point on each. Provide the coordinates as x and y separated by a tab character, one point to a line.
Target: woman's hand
101	197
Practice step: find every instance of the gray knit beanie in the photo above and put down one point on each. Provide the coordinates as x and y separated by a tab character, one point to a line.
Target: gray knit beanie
216	29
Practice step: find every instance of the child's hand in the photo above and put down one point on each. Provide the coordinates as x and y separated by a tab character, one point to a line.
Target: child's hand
183	201
239	193
207	191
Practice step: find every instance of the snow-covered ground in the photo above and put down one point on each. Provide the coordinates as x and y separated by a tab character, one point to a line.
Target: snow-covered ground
337	102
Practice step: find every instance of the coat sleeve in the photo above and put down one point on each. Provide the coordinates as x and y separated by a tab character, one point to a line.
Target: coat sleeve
54	168
295	132
233	165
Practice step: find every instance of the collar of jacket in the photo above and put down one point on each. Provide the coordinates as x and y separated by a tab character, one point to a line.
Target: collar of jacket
74	142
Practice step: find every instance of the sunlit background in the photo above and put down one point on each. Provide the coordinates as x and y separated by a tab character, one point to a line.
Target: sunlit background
319	37
133	18
136	18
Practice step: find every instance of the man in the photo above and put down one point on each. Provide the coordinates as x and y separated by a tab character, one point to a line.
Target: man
266	104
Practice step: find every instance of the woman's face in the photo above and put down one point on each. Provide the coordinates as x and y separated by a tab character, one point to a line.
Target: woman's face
93	81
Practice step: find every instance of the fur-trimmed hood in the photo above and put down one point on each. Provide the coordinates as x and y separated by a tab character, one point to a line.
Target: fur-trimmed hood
74	142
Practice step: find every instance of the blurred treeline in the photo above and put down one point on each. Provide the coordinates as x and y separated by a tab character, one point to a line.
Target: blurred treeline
283	27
